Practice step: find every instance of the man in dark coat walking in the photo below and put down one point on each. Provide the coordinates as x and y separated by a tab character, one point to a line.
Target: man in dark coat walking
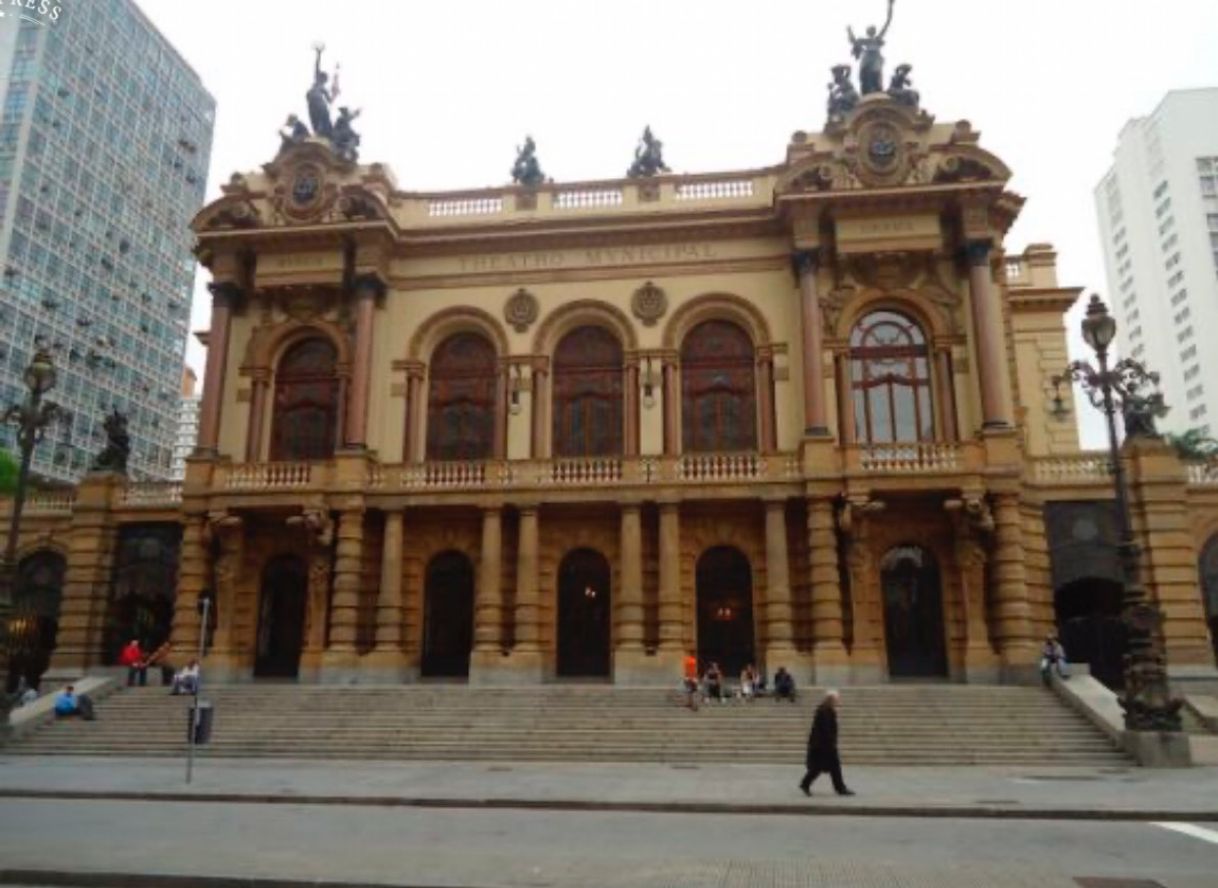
822	747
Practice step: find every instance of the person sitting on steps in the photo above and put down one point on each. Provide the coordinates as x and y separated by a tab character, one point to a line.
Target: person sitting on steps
714	682
69	703
1053	656
784	685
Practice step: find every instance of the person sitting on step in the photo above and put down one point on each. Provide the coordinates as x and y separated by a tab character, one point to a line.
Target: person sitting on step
69	703
784	685
714	682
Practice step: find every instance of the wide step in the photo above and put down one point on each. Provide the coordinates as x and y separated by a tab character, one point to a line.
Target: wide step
918	725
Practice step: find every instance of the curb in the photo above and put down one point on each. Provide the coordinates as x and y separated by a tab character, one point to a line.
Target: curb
66	879
836	809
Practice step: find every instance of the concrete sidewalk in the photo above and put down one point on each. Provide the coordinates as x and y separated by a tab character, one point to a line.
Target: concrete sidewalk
1035	793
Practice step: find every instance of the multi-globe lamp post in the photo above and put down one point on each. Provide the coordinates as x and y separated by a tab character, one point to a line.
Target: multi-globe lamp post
1146	699
31	420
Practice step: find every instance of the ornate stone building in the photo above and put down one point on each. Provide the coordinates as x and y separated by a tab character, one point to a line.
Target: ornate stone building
798	415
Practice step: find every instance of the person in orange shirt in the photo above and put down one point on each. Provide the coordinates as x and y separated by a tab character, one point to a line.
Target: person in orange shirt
691	681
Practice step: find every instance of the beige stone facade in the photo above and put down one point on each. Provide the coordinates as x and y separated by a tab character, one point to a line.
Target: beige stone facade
797	415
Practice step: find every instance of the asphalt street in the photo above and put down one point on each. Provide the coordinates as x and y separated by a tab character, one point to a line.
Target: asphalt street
512	849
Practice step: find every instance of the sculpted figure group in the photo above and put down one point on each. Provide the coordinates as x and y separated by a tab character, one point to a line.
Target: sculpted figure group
321	95
868	49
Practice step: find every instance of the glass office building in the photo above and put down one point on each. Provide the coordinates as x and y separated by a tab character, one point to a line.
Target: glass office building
105	142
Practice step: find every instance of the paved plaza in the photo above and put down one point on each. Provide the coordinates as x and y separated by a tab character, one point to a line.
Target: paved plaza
511	825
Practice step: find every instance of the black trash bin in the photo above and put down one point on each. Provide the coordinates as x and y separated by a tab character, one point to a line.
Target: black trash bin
203	725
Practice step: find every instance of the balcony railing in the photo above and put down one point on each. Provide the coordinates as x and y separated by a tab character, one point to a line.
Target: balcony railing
1082	467
53	502
922	457
269	476
1203	474
151	494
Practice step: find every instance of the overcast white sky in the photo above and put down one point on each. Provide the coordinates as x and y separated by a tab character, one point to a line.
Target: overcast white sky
450	88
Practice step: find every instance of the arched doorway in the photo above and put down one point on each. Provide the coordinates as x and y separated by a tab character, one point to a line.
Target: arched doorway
281	617
1090	628
145	580
448	616
34	622
725	610
913	613
1208	569
584	602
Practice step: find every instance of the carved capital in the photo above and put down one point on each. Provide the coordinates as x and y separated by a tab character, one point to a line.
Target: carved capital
806	262
368	285
977	253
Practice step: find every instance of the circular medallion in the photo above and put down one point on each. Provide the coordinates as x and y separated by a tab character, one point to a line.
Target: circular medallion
649	304
306	187
521	310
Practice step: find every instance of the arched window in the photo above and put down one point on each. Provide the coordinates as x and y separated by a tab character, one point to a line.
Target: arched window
890	373
461	399
588	394
718	389
1209	588
306	402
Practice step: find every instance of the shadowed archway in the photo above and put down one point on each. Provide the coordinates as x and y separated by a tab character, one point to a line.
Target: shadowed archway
726	634
448	616
913	613
584	608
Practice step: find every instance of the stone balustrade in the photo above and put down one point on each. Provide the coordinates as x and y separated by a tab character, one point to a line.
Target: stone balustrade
267	476
148	494
1203	474
921	457
1081	467
49	502
614	196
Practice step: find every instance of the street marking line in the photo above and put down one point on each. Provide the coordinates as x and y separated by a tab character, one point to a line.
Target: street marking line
1188	829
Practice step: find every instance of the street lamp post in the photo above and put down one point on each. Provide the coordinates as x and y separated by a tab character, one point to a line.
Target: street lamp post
1147	699
31	419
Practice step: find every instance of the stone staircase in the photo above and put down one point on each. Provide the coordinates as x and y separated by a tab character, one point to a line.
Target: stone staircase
890	725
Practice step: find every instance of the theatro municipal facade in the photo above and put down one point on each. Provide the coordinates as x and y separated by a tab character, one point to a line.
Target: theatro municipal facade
798	415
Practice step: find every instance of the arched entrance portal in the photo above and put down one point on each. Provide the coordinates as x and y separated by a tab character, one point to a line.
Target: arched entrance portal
913	613
584	599
725	610
448	616
281	617
34	622
1090	627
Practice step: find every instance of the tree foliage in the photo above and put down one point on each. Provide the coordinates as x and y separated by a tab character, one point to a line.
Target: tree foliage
1193	446
9	469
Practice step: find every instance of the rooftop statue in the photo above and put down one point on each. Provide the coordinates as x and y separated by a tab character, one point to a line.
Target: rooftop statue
648	157
526	170
293	131
842	94
118	445
346	140
869	51
320	97
901	87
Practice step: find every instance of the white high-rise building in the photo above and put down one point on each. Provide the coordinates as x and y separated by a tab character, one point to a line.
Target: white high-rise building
1158	214
188	424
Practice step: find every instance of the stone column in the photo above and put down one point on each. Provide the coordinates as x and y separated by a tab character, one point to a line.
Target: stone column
672	406
486	661
317	610
340	662
224	296
779	641
541	415
386	662
224	660
992	368
672	629
90	541
501	408
815	419
845	402
765	401
945	394
629	666
525	662
829	651
193	570
867	654
260	384
367	290
980	663
631	407
1016	646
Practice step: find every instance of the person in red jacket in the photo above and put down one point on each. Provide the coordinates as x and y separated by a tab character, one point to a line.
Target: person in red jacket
136	662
